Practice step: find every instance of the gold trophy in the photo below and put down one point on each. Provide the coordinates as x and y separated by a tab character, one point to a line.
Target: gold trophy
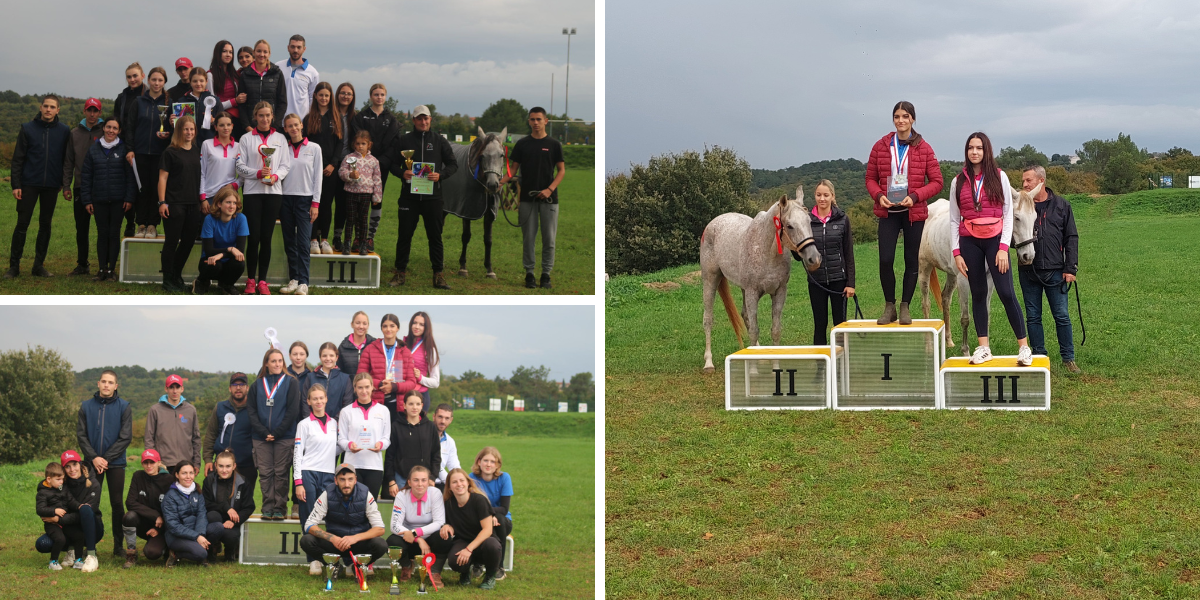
266	152
424	563
331	569
407	154
394	552
162	117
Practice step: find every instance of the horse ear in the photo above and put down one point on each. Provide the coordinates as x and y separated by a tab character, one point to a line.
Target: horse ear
800	194
783	200
503	134
481	133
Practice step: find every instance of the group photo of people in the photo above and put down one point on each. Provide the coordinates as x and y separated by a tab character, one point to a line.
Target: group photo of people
222	150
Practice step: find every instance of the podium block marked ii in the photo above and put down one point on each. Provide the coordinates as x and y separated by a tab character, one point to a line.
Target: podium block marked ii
779	377
888	366
998	384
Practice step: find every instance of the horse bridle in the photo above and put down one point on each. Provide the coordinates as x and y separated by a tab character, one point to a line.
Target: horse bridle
781	231
509	196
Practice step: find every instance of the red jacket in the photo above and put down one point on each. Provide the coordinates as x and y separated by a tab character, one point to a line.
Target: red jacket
374	361
924	176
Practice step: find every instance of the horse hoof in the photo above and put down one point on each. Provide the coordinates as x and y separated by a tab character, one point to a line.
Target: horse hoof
491	275
708	370
462	272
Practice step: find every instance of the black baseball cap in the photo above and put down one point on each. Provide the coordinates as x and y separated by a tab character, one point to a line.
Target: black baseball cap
238	378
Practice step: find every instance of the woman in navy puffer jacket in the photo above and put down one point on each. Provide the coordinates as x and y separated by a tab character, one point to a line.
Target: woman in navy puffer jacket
107	191
186	520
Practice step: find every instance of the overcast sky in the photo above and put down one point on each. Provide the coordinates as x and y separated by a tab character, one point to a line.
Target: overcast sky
493	340
785	83
459	55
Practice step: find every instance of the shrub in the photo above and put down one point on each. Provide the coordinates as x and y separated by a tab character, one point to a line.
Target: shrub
864	225
1063	181
1121	174
36	408
654	215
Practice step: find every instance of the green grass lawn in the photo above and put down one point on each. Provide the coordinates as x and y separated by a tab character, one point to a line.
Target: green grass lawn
574	257
554	531
1096	498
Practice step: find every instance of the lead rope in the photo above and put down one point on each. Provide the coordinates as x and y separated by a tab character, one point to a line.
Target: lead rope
858	313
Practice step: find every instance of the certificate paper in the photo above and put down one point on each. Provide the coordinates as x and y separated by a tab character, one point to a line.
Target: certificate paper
420	179
365	440
180	109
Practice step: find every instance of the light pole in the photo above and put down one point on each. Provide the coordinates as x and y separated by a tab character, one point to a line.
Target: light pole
567	94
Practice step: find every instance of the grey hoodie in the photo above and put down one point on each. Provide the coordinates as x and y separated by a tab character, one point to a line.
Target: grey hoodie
174	432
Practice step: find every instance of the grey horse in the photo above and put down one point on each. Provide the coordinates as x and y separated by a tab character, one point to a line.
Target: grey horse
752	253
478	194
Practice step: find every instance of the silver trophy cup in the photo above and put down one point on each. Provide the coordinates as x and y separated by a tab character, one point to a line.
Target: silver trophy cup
363	561
266	153
351	161
331	569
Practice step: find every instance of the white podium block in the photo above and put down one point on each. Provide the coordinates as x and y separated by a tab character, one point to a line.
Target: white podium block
998	384
888	366
779	377
278	542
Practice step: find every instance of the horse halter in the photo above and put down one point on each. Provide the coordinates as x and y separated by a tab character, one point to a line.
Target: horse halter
781	232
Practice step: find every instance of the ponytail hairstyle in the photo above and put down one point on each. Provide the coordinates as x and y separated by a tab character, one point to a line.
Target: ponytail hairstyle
415	469
992	188
829	184
161	71
227	453
906	106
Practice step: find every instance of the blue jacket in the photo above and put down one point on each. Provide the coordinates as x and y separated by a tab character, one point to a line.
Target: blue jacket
236	436
145	125
346	518
280	419
338	392
107	178
40	153
105	429
184	515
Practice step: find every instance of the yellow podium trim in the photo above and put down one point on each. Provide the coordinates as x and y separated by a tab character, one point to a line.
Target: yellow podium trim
997	362
932	323
782	350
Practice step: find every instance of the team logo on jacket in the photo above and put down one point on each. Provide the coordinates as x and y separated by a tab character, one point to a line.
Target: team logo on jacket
182	419
161	496
429	146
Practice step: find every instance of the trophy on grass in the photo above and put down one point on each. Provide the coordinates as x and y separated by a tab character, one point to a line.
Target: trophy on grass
332	561
408	161
162	117
394	552
266	152
352	162
361	561
424	563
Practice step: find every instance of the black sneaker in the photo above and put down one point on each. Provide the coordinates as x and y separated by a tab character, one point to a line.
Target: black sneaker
499	574
336	243
439	281
80	270
464	579
545	282
40	271
398	279
12	273
370	244
529	281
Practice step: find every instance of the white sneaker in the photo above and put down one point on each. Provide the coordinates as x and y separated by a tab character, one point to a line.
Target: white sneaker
302	290
1024	357
982	354
290	287
314	247
326	248
371	569
314	567
151	231
68	560
54	566
348	571
141	232
90	564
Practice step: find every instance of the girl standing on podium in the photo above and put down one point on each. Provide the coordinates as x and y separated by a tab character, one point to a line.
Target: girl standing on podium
262	195
981	217
419	342
902	175
831	232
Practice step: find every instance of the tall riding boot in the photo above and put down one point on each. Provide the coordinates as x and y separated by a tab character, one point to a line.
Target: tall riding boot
889	314
905	318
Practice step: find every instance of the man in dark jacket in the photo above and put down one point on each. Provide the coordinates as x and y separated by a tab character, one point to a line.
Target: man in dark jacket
224	432
37	174
1055	265
104	431
427	147
83	136
182	67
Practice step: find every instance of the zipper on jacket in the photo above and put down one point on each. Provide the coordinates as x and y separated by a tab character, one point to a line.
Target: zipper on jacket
102	407
46	162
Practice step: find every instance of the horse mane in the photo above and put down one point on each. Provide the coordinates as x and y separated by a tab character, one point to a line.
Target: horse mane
476	150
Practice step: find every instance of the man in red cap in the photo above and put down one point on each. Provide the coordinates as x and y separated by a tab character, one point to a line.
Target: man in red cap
172	428
144	504
182	66
83	136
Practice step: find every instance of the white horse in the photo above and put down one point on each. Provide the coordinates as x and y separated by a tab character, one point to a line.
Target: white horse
753	254
937	255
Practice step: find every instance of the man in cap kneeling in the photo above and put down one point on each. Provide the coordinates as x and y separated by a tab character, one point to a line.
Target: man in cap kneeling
353	524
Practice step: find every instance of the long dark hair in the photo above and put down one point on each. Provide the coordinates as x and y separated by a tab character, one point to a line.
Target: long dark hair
431	355
914	139
992	187
312	121
220	69
337	109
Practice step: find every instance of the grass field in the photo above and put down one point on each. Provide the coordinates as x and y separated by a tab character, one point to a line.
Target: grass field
1096	498
574	257
554	524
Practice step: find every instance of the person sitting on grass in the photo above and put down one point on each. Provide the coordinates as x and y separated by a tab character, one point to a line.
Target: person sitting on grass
417	517
186	518
83	497
353	524
143	516
230	501
497	486
469	526
60	527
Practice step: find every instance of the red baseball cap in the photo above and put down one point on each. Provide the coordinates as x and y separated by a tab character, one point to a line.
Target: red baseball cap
70	456
92	103
183	62
151	455
173	378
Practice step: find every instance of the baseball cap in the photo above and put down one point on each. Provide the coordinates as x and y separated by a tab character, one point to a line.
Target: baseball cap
70	456
183	62
238	377
345	467
173	378
420	110
92	103
151	455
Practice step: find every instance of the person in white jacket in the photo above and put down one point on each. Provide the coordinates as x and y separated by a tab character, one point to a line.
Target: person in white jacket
262	194
418	514
218	158
315	455
364	432
301	202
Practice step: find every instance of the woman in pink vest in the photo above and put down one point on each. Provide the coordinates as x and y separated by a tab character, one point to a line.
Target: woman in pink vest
981	217
902	176
425	354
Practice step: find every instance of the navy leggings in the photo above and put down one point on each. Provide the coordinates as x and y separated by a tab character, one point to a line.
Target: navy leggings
975	252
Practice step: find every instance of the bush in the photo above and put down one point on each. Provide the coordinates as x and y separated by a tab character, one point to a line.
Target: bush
654	215
1063	181
36	408
1121	174
864	225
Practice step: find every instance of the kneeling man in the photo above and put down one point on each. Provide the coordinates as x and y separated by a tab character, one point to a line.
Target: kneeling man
353	524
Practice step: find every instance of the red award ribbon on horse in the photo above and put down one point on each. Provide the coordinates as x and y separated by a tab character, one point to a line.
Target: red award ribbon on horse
429	558
778	229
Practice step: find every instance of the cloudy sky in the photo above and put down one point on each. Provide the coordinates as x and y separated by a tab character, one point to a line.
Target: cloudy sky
459	55
785	83
493	340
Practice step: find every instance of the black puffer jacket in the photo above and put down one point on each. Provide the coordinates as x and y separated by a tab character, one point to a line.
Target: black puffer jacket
268	87
1057	245
385	130
220	495
83	490
107	178
40	153
49	498
125	111
327	139
143	131
429	147
836	245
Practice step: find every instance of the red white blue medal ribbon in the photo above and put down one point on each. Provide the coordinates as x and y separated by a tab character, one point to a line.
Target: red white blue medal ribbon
271	391
899	157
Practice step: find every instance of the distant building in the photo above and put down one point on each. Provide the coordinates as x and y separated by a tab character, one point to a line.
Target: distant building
1073	158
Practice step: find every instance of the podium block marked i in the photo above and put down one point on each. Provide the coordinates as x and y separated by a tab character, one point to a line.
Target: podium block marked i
998	384
888	366
779	378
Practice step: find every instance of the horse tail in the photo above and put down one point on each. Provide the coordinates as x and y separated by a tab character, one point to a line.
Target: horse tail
735	318
935	288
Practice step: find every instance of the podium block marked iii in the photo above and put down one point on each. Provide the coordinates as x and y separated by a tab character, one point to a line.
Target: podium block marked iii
779	377
998	384
888	366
